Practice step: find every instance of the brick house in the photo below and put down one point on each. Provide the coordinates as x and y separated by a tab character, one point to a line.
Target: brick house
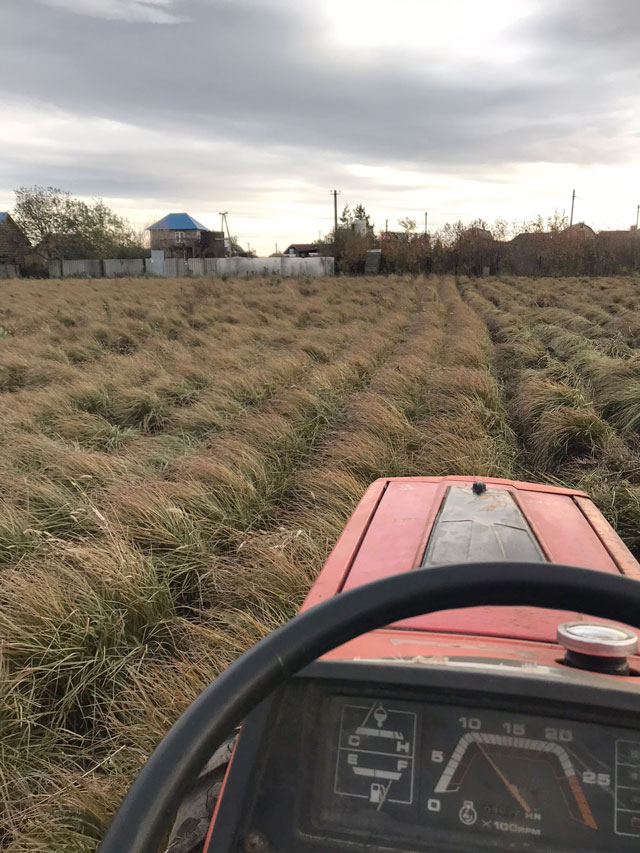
181	236
14	245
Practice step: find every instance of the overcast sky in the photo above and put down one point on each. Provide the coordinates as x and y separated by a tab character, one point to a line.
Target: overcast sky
261	107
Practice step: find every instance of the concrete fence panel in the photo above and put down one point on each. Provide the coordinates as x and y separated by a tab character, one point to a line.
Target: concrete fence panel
177	268
55	269
9	271
123	267
88	269
227	266
293	266
174	267
307	266
196	266
268	266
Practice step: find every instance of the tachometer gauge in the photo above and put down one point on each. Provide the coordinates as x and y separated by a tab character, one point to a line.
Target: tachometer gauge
523	777
517	767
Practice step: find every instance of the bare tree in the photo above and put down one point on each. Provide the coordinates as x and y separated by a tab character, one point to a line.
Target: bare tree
407	224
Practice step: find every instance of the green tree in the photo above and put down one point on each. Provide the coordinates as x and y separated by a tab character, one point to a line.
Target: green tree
43	211
346	217
359	212
77	229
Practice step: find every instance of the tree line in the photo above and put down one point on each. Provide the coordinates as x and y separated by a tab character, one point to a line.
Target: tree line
538	246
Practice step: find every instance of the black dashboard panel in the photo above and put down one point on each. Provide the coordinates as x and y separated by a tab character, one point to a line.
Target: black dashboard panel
361	757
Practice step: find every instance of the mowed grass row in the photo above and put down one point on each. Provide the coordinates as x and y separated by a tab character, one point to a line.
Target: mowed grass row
598	363
567	433
132	574
55	442
600	359
610	305
434	408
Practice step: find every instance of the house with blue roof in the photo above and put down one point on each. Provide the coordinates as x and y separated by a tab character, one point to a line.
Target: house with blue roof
179	235
14	245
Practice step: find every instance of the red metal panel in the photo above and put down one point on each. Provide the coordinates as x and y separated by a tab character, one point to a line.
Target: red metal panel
393	542
564	532
495	481
623	557
330	580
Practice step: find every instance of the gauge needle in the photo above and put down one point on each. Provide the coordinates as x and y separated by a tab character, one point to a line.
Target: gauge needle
511	788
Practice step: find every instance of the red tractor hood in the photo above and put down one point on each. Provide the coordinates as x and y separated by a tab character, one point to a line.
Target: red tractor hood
404	524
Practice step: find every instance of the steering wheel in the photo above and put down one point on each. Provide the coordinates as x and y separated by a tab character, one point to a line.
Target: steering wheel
146	811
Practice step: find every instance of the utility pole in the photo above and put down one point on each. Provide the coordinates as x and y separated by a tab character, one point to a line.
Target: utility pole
335	194
386	226
573	199
336	252
223	222
426	216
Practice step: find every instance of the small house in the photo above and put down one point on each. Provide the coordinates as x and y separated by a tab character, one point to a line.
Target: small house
181	236
14	245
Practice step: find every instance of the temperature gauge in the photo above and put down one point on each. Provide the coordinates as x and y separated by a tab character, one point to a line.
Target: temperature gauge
376	754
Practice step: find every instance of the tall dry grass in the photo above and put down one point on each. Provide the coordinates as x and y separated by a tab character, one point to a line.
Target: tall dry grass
150	431
179	458
571	385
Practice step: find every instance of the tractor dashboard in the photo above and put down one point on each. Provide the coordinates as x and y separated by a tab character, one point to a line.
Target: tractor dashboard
462	756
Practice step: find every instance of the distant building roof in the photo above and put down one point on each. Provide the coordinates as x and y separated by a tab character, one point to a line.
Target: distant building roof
475	231
3	216
303	247
532	237
177	222
579	228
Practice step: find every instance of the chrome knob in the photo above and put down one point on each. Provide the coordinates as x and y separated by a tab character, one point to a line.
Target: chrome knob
601	648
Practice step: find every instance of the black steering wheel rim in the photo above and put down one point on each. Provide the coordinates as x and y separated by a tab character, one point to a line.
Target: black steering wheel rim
146	811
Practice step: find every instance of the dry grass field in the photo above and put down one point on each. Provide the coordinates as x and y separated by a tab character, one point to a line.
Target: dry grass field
178	457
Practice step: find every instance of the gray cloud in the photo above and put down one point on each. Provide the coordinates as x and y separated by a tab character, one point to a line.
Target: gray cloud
151	11
261	75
